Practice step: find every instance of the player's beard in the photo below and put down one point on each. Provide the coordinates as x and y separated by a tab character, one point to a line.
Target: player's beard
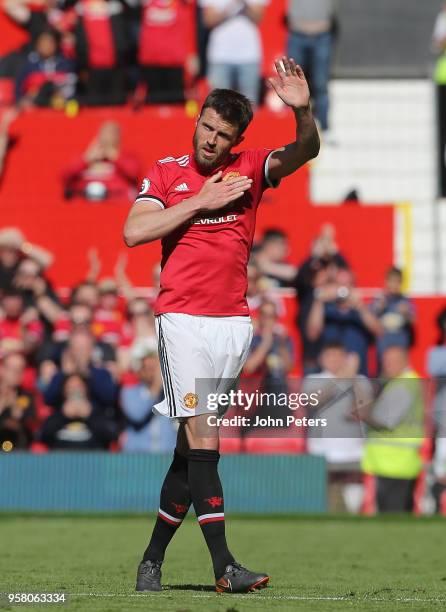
207	165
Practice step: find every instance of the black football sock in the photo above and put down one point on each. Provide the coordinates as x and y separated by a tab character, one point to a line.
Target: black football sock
207	496
174	504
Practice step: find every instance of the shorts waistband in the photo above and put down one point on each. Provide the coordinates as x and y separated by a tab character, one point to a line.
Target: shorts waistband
229	319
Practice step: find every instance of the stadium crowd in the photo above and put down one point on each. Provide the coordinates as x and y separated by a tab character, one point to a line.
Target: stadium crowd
81	372
113	52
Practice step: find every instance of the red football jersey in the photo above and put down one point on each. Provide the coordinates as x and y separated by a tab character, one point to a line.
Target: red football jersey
163	35
203	266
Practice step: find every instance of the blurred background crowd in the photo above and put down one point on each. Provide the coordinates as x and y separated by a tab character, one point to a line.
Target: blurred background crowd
79	369
113	52
79	366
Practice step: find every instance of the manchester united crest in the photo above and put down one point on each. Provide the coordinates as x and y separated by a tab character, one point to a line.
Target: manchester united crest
190	400
230	175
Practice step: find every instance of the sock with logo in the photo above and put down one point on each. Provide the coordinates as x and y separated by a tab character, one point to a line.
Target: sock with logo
207	496
174	504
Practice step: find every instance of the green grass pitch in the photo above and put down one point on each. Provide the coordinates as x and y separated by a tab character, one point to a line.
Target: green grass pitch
316	564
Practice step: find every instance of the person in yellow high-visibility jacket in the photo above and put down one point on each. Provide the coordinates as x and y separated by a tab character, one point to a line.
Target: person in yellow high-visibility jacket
395	433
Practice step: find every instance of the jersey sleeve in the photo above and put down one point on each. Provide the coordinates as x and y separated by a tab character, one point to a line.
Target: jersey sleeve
260	159
152	187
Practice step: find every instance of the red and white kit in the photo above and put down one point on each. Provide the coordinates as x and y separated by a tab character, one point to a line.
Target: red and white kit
204	275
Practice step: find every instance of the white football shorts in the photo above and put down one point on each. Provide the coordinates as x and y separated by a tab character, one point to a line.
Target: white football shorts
200	357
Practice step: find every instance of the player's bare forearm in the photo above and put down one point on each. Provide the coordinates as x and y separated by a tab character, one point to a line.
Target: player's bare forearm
145	224
292	88
291	157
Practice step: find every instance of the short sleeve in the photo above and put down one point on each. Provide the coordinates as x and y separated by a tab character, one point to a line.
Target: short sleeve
152	187
259	160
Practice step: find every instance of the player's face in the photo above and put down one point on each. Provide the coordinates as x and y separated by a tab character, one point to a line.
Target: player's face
213	140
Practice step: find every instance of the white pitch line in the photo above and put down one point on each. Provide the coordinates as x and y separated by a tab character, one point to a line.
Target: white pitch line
271	596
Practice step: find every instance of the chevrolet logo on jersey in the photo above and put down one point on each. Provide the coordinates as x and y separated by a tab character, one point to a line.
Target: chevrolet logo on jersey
213	220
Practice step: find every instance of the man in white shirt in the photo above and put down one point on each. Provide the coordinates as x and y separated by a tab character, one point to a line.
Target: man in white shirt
341	441
234	52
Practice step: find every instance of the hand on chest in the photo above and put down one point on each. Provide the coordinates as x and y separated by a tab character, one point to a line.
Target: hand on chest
189	184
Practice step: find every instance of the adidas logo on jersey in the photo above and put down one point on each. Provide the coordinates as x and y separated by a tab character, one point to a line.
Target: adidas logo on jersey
182	187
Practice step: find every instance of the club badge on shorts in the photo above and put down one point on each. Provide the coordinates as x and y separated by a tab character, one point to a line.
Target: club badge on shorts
190	400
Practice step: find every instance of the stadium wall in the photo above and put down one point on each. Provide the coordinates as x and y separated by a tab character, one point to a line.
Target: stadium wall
104	482
31	194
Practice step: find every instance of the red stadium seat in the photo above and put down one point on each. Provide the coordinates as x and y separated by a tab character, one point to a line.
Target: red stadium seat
38	448
273	445
230	446
418	494
369	501
6	92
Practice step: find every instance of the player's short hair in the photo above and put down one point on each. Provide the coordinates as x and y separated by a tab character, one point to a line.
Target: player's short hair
232	106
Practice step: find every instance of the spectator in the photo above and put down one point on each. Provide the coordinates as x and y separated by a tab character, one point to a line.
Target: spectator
13	248
436	367
396	314
108	320
310	43
338	314
163	48
139	329
105	171
271	356
35	17
439	45
254	293
47	78
16	404
439	467
86	293
234	53
76	424
20	328
339	389
319	269
78	358
271	258
103	48
38	293
259	289
395	434
78	317
145	431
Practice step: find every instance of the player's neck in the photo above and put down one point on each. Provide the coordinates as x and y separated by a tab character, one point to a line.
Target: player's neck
206	171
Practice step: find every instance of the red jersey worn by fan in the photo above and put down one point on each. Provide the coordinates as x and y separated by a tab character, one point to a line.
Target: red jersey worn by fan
164	32
204	262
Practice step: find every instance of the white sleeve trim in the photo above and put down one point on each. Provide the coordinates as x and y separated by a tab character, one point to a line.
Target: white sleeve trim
149	199
269	182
